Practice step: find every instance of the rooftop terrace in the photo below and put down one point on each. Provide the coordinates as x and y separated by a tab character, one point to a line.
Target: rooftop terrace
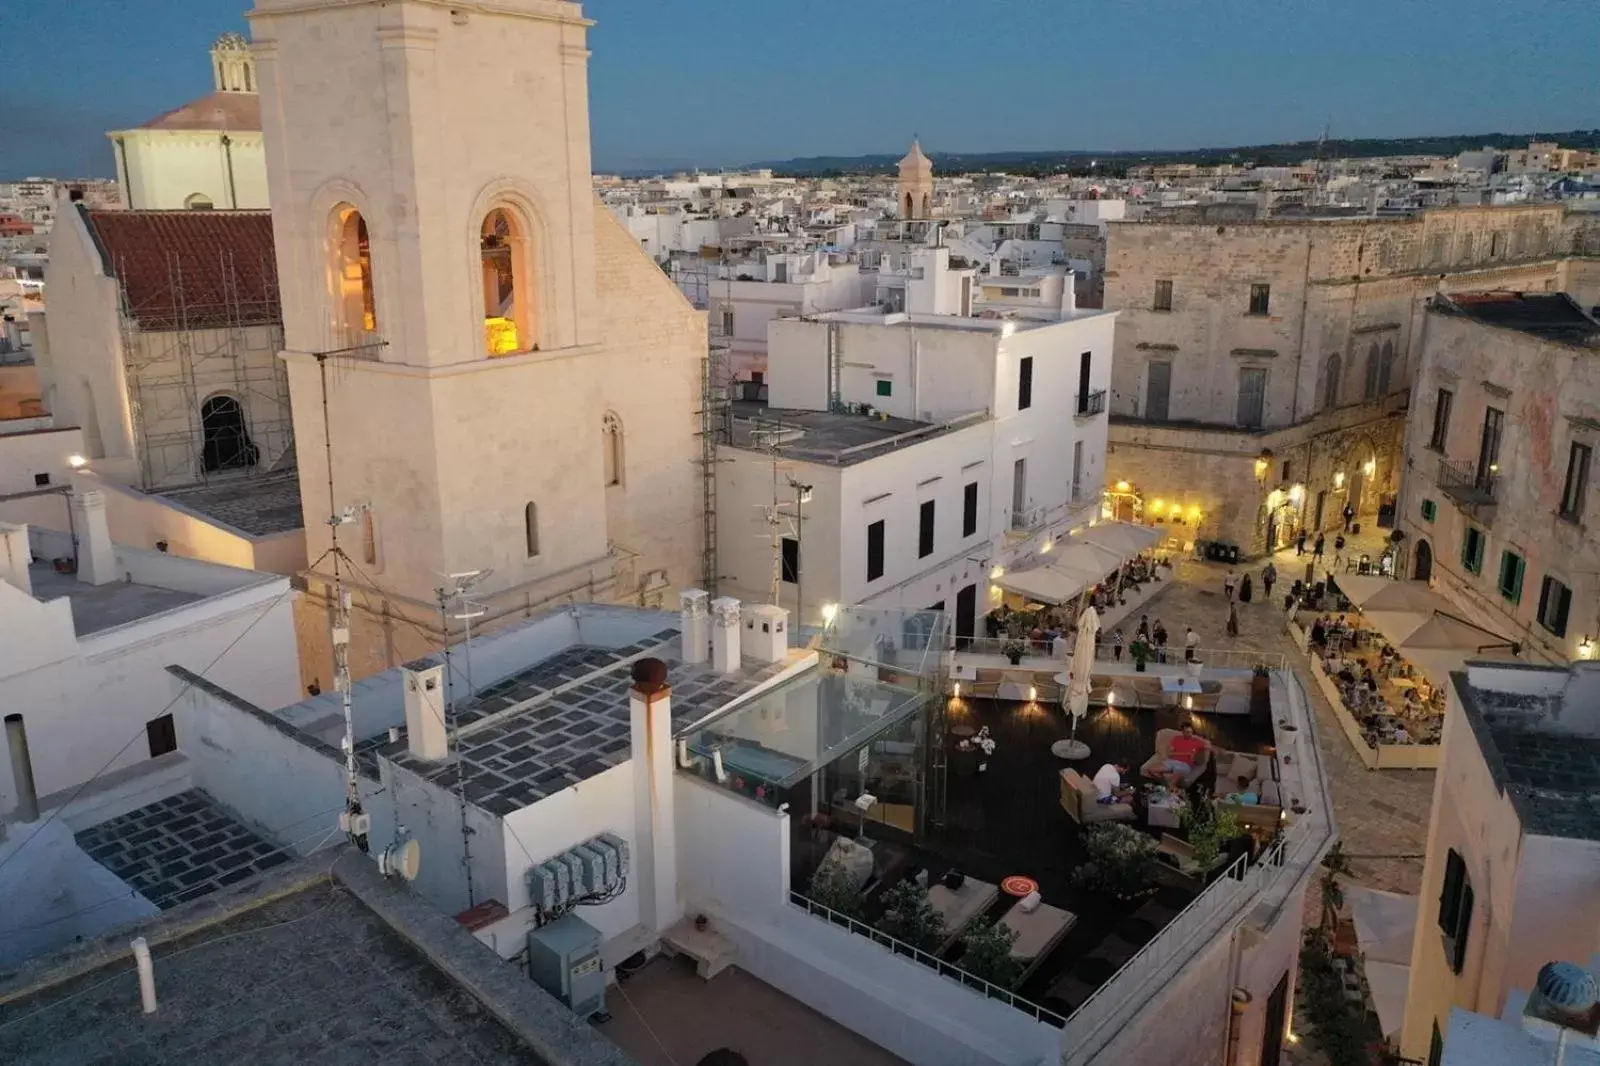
1551	316
564	720
98	607
828	436
1539	730
257	506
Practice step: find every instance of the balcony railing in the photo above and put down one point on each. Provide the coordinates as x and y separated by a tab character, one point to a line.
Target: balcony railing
1029	519
1091	403
933	962
1463	481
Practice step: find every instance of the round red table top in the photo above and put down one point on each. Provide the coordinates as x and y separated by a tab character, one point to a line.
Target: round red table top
1019	886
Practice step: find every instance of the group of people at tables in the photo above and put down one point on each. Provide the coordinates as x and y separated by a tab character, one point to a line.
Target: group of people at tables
1415	715
1184	753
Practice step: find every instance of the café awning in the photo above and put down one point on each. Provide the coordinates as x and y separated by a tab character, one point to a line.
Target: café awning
1388	594
1054	584
1123	538
1436	642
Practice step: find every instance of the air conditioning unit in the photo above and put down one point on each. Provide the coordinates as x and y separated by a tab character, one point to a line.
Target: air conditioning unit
594	868
564	960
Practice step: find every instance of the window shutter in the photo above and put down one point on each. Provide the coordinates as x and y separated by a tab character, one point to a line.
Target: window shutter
1563	605
1544	599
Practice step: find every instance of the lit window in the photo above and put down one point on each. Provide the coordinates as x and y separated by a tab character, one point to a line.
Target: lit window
509	307
358	311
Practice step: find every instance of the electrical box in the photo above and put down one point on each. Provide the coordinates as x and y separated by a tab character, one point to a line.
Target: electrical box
564	960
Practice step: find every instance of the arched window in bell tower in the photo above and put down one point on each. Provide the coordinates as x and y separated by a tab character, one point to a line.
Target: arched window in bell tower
356	306
510	323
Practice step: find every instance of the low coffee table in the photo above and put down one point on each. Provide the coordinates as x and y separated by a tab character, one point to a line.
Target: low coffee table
1161	809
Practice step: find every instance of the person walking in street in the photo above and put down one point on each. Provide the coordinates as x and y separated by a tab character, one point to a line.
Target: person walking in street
1300	543
1316	549
1338	551
1233	619
1269	576
1144	627
1116	644
1349	516
1229	584
1245	590
1191	644
1159	635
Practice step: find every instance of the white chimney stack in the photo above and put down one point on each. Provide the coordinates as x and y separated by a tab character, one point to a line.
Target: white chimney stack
15	555
97	556
695	626
426	735
1069	294
766	633
725	634
655	842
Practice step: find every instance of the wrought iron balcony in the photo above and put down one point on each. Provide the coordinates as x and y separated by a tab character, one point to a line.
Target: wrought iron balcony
1464	482
1091	403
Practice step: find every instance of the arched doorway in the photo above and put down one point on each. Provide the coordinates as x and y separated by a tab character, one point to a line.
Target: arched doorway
227	442
1422	569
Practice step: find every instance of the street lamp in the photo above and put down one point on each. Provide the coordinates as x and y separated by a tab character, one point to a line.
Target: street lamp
1263	464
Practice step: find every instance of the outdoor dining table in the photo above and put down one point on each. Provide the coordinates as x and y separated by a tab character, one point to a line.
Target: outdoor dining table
1173	688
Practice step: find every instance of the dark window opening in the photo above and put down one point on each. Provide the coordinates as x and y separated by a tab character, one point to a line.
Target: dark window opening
1555	603
1025	384
227	443
1455	910
1441	420
162	735
41	480
1575	493
791	560
925	530
1260	299
969	509
875	550
1163	300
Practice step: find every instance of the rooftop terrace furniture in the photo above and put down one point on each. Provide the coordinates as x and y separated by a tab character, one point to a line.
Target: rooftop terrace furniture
1081	800
1038	934
1153	766
1262	771
959	907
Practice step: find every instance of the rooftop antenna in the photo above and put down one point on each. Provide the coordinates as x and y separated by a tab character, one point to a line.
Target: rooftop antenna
456	588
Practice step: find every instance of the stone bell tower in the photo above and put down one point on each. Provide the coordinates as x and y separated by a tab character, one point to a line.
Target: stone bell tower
510	383
916	183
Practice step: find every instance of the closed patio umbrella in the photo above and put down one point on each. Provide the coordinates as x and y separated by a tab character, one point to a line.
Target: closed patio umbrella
1075	687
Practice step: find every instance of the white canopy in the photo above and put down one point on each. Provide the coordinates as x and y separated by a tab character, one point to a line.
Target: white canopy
1052	584
1385	924
1123	538
1436	642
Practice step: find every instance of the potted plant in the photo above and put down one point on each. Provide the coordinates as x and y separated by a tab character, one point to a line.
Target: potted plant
986	953
834	888
1120	861
1013	650
908	916
1261	694
1208	831
1140	651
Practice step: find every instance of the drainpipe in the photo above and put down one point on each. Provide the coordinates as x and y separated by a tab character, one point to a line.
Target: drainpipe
227	151
22	769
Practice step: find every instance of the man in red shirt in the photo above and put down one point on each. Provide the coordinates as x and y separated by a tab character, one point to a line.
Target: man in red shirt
1183	755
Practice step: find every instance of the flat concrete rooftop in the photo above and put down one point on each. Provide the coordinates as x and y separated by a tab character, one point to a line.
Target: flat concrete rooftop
258	506
99	607
565	719
313	978
827	436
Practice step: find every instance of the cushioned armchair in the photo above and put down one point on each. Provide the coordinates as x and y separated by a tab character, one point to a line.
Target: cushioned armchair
1153	766
1081	801
1262	772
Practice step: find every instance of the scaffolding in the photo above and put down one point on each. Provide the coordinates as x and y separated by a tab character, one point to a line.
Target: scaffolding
208	396
716	430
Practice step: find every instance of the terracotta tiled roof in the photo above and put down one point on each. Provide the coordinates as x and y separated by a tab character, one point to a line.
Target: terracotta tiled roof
191	269
217	111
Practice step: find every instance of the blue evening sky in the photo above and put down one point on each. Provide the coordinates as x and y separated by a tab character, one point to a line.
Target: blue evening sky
720	82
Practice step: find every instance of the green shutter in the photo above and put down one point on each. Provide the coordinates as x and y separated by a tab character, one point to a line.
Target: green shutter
1430	510
1511	571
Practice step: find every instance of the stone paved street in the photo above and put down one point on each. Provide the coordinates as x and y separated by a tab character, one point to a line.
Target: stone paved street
1382	816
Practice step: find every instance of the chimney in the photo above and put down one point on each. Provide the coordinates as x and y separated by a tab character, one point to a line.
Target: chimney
655	844
22	769
15	555
97	557
724	634
426	735
695	626
1069	294
766	633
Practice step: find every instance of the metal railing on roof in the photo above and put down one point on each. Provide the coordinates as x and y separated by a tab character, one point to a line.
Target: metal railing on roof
933	962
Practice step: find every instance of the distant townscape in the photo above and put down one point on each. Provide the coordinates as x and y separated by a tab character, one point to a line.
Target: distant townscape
934	608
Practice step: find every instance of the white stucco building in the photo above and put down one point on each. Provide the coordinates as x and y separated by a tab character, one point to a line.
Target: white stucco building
205	154
517	383
936	448
83	655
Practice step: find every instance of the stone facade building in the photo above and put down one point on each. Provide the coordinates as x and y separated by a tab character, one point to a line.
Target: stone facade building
1499	466
1262	369
500	376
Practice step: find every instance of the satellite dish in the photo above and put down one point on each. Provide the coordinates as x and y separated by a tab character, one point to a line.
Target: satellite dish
402	859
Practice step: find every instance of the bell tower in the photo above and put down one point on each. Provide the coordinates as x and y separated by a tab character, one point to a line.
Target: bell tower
447	277
916	184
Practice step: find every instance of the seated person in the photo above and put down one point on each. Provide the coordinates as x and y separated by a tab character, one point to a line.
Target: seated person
1183	754
1108	784
1246	795
1346	675
1319	633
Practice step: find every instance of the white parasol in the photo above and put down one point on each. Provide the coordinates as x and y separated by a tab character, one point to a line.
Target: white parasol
1075	685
